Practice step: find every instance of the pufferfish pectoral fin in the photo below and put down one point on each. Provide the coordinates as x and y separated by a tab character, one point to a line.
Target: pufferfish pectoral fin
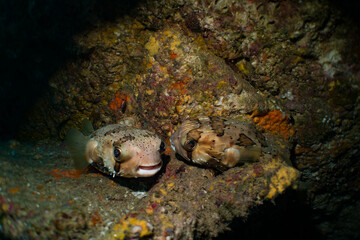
87	127
250	154
77	144
236	155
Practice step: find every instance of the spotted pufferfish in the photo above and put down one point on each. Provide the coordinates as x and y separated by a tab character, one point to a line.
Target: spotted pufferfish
116	150
217	142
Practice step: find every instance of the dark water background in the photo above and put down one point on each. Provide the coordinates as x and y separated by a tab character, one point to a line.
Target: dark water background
35	40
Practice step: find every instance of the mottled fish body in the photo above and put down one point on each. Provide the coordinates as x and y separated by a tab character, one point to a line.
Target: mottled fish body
217	142
117	150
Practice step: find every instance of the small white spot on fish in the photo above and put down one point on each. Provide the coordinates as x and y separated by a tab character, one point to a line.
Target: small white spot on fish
139	194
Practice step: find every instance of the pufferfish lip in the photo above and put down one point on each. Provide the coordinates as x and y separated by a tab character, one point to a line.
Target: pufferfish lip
145	171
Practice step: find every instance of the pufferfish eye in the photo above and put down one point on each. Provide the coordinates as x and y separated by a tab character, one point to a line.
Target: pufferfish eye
117	153
162	147
189	145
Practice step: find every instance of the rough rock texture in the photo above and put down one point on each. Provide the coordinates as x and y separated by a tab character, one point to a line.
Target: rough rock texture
291	67
42	197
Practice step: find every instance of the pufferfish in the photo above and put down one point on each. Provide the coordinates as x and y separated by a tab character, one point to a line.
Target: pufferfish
217	142
116	150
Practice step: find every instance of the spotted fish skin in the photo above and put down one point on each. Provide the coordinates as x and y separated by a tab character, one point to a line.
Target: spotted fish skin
118	150
217	142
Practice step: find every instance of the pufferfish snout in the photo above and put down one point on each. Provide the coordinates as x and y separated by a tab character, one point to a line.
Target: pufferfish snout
117	150
217	142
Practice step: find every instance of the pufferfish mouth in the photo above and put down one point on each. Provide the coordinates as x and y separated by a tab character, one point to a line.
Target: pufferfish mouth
147	171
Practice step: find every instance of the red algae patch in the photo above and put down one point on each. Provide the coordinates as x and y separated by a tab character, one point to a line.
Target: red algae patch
173	55
275	122
47	198
57	173
119	102
14	190
95	218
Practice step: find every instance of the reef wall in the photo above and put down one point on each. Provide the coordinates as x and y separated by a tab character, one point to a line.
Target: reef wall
290	67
